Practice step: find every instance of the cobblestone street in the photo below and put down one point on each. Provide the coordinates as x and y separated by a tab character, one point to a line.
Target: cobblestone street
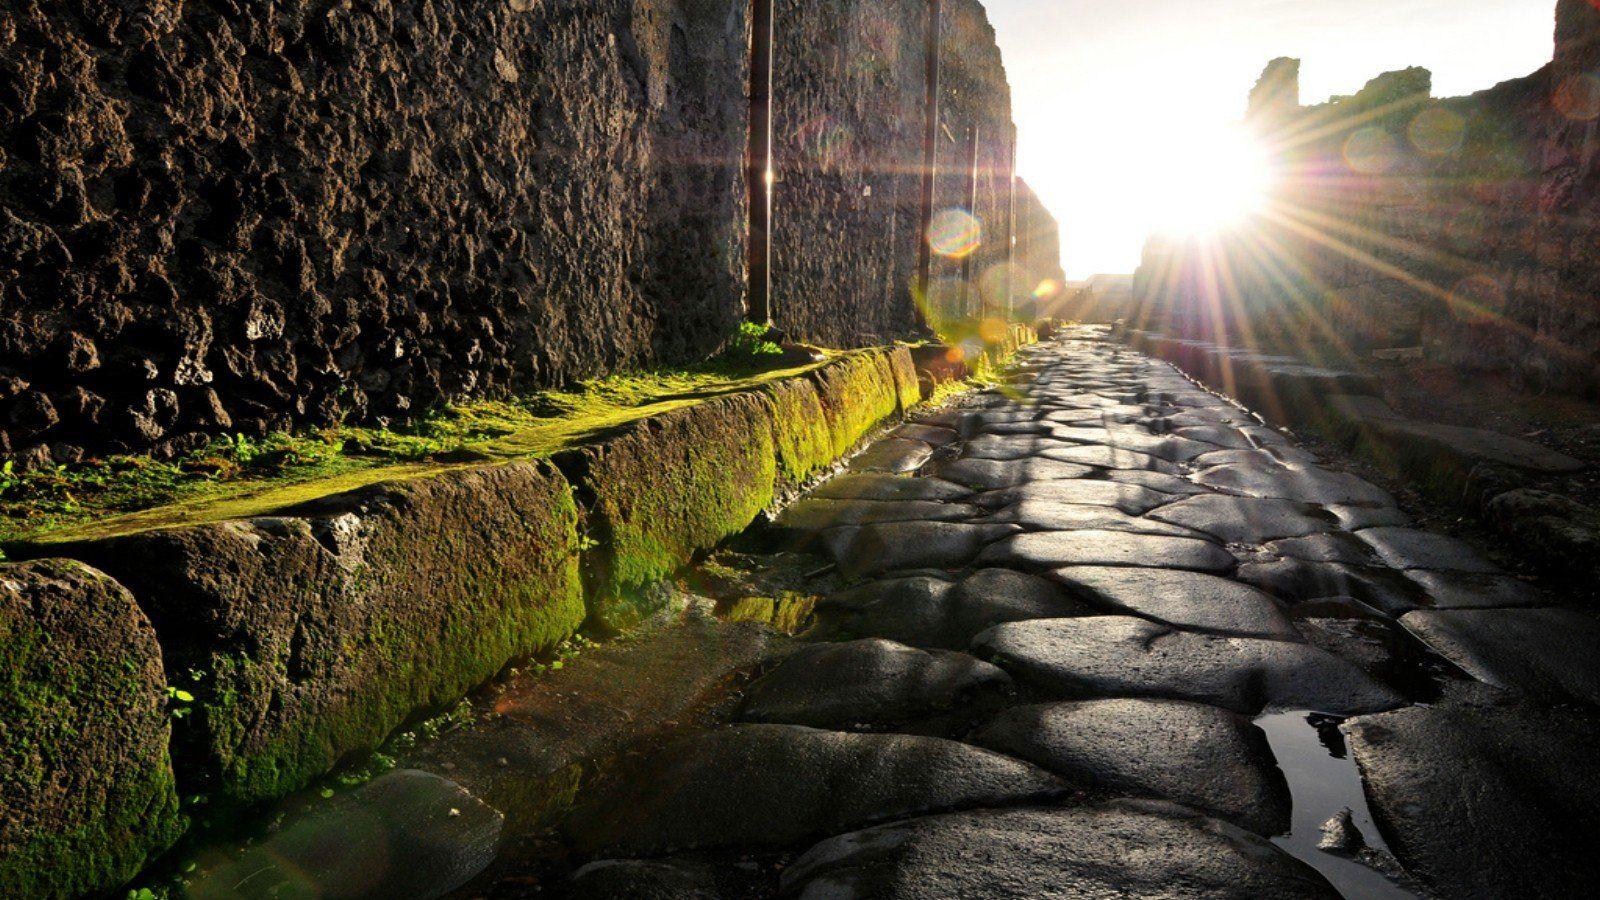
1103	633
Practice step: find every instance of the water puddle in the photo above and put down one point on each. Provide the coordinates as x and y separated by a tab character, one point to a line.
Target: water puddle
1323	779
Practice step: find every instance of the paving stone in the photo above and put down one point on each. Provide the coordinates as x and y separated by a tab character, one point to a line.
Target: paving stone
645	879
917	611
1171	449
405	834
1245	520
990	474
1408	548
774	786
928	433
1156	481
1123	656
894	455
1549	654
1205	758
878	486
901	546
1182	599
1469	590
1044	515
1109	458
1125	848
1132	499
1217	415
990	597
1049	550
1297	580
1486	801
1217	436
1008	447
813	515
866	684
1033	427
1333	546
1290	457
1354	518
1308	485
1263	435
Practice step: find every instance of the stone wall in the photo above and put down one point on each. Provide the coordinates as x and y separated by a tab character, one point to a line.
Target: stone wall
228	216
1463	225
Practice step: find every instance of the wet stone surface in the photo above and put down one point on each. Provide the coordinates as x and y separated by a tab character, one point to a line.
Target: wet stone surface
1055	629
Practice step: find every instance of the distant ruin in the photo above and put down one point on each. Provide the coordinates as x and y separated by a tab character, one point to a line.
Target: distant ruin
1460	225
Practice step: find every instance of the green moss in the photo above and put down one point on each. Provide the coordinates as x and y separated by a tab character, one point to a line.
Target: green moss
237	478
803	440
674	486
858	392
91	836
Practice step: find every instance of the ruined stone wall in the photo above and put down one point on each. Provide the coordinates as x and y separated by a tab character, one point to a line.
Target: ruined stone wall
226	216
1464	225
1039	278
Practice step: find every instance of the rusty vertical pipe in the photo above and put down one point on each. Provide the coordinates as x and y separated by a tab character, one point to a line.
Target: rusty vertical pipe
758	163
972	210
1011	229
930	156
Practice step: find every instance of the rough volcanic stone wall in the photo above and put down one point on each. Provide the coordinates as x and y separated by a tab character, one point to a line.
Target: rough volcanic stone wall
247	215
1464	225
848	157
231	215
1038	277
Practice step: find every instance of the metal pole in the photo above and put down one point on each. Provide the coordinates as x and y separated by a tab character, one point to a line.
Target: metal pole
972	210
930	154
758	163
1011	229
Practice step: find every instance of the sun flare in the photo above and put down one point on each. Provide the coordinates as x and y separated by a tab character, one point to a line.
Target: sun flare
1212	183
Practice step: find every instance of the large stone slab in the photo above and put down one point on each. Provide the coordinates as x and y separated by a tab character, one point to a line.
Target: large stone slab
866	684
1133	499
1191	600
814	515
406	834
87	793
917	611
773	786
1049	550
881	486
1117	656
894	455
1473	590
1125	848
1299	580
903	546
1110	458
1203	757
990	597
991	474
1046	515
1308	485
317	633
1549	654
1486	801
1410	548
1245	520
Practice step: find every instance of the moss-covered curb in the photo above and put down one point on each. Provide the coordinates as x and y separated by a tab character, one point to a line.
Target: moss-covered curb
307	636
86	785
311	636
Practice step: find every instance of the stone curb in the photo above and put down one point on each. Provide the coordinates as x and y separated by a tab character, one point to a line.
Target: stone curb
307	637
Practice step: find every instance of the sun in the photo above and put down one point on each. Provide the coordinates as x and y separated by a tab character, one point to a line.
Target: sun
1213	181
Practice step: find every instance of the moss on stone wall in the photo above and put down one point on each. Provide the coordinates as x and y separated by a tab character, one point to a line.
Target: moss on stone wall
311	636
668	487
86	781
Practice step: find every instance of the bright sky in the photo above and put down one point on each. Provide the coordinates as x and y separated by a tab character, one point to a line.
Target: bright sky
1106	91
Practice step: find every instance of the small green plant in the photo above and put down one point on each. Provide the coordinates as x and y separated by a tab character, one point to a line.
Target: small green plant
749	342
179	702
8	477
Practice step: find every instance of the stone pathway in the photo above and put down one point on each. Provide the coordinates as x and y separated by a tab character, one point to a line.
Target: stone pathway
1073	622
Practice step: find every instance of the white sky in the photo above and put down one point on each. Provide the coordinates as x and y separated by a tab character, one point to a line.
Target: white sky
1106	90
